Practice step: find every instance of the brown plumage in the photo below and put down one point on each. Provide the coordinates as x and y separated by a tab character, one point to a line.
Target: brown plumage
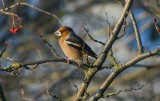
72	45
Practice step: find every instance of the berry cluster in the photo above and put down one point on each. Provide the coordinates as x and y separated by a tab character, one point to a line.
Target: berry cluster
16	24
14	30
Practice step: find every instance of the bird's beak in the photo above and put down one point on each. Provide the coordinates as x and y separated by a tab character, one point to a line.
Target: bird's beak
58	33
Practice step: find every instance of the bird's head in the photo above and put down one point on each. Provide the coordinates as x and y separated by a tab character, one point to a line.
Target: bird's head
63	31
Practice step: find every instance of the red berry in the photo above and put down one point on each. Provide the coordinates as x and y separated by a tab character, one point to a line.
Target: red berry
14	30
11	29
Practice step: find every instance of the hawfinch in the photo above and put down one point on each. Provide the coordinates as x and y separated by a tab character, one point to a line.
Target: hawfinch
72	45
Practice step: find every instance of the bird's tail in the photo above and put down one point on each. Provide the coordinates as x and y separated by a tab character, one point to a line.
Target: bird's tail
94	56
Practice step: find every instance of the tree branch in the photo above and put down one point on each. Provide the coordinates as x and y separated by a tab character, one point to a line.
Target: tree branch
138	39
87	32
4	49
114	74
29	5
125	90
114	34
91	72
156	25
137	34
16	66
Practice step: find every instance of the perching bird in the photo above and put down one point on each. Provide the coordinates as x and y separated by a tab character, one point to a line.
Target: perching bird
72	45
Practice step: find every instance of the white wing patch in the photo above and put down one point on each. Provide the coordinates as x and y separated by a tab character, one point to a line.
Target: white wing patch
74	44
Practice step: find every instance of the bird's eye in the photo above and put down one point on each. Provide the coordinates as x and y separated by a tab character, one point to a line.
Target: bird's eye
62	31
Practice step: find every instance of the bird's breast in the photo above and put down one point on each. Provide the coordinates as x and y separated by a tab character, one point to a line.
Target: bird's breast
70	51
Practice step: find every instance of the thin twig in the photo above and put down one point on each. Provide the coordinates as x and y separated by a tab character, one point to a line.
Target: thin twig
138	38
137	33
24	97
87	32
14	17
125	90
113	37
16	67
3	4
112	58
29	5
51	47
124	29
74	85
54	96
2	96
156	25
4	49
108	25
50	93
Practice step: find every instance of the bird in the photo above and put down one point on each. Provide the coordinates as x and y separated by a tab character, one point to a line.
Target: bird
72	45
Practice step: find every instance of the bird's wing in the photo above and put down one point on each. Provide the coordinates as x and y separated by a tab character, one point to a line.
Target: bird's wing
75	42
78	43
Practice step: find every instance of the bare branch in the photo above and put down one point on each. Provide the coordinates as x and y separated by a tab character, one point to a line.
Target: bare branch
51	47
108	26
2	96
156	25
3	4
13	68
114	34
4	49
111	57
84	86
24	97
87	32
89	69
91	72
121	68
137	34
51	94
138	39
16	67
74	85
29	5
124	29
125	90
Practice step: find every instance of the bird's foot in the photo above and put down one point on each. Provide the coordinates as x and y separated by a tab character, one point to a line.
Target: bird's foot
68	60
79	64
